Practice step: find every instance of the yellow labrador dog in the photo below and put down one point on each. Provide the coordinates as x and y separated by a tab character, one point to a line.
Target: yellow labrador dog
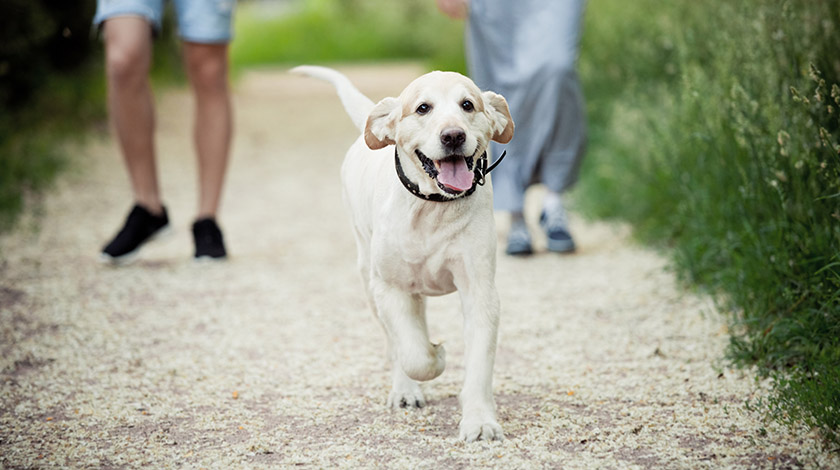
414	185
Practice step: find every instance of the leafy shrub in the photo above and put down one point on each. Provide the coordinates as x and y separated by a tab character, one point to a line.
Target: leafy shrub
715	132
41	44
345	30
51	87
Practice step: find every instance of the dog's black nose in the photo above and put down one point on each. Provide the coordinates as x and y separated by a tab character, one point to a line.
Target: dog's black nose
453	137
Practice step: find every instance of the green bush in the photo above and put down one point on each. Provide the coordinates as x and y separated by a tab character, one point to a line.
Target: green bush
320	31
51	89
43	44
715	133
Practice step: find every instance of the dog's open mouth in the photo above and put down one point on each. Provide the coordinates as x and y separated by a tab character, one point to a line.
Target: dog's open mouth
454	174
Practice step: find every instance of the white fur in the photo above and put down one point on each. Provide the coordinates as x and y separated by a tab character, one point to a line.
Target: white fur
409	248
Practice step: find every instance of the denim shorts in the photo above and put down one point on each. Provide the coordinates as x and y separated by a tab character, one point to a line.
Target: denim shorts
202	21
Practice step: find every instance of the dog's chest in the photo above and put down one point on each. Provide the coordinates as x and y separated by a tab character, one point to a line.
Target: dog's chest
419	267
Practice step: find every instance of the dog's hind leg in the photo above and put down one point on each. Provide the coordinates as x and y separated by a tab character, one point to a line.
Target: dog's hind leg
364	273
404	317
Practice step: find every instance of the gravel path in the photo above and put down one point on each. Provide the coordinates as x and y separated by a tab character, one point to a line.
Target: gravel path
272	360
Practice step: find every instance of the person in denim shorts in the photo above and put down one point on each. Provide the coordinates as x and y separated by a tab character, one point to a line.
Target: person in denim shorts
205	29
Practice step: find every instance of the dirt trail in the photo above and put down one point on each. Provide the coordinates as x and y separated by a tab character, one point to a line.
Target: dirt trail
272	360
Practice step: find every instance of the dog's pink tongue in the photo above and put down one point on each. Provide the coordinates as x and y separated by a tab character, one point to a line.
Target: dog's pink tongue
454	174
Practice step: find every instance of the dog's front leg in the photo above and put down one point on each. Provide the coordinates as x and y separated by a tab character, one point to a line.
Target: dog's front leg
403	315
481	323
405	392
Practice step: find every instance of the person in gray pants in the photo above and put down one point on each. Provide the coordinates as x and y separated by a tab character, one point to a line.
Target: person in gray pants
527	51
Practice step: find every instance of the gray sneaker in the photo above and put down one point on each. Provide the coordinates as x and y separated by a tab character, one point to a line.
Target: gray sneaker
556	229
519	240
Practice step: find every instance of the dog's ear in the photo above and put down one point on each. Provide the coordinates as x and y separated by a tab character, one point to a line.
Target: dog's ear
381	124
499	113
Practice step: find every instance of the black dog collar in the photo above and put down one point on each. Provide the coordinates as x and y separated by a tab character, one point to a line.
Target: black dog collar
480	171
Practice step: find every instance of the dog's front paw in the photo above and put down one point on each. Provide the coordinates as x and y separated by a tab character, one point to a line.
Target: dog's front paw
480	430
407	395
426	366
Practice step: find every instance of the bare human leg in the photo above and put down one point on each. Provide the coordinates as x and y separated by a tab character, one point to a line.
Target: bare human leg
207	69
128	53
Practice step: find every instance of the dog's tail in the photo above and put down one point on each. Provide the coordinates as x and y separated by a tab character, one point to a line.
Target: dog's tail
357	105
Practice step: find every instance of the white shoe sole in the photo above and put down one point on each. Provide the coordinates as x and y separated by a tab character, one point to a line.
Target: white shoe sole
209	259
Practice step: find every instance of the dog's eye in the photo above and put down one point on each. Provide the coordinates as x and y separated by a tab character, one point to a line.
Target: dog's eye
467	106
423	109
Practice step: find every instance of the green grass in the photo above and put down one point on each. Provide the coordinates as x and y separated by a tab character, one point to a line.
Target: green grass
32	137
714	131
322	31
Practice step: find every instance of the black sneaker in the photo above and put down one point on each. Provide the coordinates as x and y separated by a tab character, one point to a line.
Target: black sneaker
209	243
140	227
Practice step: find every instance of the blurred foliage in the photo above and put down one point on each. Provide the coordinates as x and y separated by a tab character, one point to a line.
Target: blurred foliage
714	131
51	88
37	39
318	31
43	44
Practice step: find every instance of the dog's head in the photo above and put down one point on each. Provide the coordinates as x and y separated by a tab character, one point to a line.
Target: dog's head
442	124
